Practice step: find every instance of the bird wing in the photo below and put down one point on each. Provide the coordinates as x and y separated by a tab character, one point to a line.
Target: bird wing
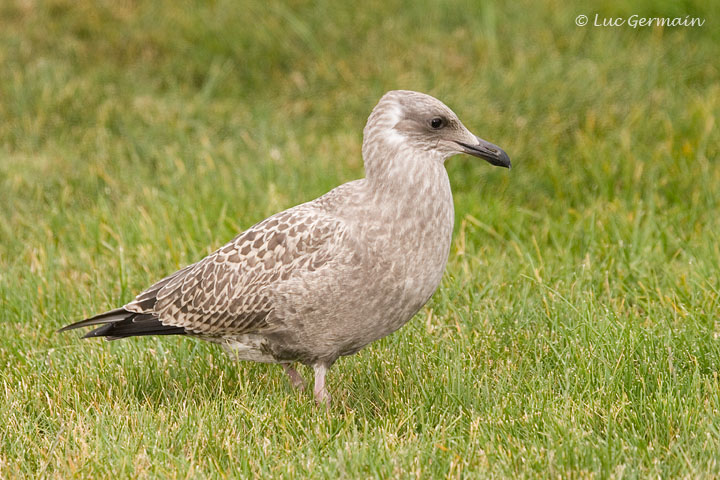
231	290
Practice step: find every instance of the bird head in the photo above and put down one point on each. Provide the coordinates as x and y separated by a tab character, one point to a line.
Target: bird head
418	123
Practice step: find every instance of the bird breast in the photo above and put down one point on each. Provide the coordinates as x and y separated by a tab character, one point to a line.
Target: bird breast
418	224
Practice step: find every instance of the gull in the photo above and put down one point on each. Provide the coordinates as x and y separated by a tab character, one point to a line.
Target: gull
325	278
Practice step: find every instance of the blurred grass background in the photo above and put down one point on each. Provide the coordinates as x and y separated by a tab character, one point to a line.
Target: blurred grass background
575	333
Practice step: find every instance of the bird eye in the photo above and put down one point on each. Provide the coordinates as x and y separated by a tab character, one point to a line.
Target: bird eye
437	123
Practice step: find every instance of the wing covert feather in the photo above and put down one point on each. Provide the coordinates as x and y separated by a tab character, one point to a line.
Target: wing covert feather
231	290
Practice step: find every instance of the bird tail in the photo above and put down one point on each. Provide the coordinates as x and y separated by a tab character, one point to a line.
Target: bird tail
122	323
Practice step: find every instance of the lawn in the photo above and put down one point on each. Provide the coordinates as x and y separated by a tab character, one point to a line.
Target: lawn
576	333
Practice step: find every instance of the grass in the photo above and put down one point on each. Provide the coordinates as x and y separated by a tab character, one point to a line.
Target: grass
575	334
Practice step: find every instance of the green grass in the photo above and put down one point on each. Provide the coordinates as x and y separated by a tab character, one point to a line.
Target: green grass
576	332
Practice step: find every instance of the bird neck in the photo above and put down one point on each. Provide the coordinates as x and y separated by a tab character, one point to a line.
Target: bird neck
410	186
399	173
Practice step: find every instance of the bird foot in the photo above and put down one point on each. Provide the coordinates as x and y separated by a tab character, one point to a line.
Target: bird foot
322	396
296	380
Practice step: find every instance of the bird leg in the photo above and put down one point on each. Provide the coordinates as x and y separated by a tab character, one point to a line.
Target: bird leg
321	394
296	380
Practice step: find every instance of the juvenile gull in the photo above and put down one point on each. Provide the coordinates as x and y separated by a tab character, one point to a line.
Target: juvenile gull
327	277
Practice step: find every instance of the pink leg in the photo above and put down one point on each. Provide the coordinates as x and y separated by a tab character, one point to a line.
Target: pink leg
296	380
321	394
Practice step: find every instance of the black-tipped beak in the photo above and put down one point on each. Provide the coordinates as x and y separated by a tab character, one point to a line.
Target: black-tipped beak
488	151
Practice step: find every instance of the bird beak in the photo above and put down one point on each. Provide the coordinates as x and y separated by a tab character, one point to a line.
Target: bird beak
486	150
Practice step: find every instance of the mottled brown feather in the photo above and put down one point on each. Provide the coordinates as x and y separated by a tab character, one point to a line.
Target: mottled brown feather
236	283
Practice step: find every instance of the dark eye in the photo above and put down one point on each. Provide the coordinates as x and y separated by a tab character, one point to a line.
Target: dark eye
437	123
